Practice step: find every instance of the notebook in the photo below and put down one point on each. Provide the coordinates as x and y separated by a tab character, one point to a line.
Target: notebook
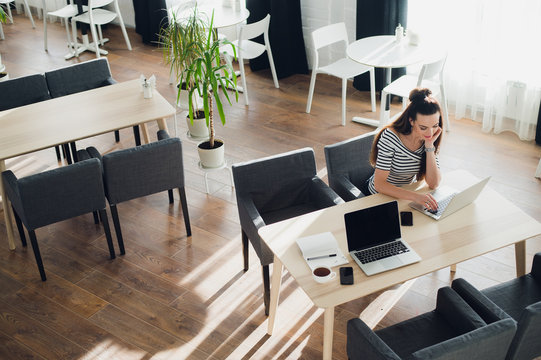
374	239
450	200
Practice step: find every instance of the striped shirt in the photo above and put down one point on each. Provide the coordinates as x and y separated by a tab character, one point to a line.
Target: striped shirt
393	156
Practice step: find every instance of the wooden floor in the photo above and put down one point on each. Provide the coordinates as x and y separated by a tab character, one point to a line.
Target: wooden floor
173	297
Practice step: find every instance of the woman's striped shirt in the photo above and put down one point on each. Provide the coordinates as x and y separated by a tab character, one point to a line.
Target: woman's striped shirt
393	156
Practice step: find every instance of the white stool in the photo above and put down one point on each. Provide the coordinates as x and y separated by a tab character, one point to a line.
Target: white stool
206	170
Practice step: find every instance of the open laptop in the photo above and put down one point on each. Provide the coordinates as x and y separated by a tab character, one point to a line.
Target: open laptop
450	200
374	239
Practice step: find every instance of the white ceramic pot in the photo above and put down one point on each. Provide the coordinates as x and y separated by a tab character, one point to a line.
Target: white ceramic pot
183	100
198	129
212	158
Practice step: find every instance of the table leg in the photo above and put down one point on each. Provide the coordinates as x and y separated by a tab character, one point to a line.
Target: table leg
144	130
274	292
453	268
520	257
162	124
381	121
7	209
328	328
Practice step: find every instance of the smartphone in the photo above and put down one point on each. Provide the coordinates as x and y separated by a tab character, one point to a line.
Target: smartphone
346	275
406	218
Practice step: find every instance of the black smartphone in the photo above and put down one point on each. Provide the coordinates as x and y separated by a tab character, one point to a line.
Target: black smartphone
406	218
346	275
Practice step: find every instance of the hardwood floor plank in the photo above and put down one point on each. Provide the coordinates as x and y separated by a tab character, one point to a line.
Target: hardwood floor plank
14	350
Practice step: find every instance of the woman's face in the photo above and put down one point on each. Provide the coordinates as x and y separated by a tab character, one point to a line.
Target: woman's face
425	126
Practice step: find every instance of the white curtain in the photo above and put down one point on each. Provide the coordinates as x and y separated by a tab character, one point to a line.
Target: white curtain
493	69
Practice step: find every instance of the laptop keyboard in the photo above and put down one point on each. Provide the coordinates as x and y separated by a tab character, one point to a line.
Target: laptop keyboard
442	204
381	252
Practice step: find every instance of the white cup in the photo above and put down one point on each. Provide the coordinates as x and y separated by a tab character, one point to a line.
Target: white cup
322	274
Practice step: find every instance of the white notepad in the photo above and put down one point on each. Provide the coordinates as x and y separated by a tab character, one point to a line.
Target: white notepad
320	246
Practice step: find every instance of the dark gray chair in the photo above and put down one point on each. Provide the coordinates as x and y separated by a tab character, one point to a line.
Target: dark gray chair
52	196
140	171
348	166
519	299
274	189
452	331
81	77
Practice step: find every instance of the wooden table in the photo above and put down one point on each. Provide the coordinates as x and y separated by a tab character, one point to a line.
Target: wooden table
384	52
74	117
490	223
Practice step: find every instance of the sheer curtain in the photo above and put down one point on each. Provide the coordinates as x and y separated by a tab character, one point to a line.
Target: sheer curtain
493	72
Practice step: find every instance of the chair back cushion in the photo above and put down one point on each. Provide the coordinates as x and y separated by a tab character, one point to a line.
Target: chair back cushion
350	158
58	194
79	77
23	91
486	343
143	170
276	182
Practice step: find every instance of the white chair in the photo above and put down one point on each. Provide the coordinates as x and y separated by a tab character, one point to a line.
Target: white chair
64	13
344	68
431	76
95	17
247	49
7	5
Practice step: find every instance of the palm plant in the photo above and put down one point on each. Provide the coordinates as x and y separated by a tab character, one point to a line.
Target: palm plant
192	49
3	15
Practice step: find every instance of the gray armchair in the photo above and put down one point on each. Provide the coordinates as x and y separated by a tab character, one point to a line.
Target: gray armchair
452	331
348	166
519	299
141	171
81	77
52	196
274	189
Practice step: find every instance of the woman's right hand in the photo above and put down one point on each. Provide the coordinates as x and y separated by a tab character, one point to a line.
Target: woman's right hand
426	200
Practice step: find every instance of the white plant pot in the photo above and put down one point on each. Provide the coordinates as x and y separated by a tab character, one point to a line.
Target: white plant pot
183	100
198	129
212	158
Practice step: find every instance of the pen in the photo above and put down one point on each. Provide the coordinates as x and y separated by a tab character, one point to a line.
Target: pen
320	257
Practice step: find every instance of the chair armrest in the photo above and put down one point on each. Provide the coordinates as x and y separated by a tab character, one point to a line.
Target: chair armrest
457	312
345	188
12	191
162	134
83	155
363	343
94	153
322	194
482	305
109	81
536	267
250	219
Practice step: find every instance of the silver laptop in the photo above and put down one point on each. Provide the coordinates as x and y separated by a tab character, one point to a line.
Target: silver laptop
374	239
450	200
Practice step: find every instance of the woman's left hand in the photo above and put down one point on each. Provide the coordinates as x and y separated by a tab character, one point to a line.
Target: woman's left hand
429	143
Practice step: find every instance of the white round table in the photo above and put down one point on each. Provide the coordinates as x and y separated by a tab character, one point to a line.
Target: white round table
224	16
385	52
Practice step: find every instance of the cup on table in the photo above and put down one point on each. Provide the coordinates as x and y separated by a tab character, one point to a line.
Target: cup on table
322	274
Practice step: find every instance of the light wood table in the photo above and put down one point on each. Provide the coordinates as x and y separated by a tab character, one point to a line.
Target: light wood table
490	223
74	117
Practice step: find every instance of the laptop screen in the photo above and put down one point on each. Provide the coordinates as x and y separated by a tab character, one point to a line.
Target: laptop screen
372	226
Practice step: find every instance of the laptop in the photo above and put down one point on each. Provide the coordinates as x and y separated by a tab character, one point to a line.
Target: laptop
374	239
450	200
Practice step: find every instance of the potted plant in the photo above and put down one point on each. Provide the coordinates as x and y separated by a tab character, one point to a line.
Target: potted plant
192	50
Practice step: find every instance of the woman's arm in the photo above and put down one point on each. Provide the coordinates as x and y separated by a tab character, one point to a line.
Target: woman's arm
384	187
433	174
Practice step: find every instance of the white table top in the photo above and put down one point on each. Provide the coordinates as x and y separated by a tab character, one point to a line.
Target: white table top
384	52
224	16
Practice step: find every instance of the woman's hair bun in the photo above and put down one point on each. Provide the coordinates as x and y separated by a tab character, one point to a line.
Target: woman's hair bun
419	94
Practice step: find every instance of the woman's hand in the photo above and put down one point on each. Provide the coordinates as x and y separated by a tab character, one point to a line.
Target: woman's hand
427	200
429	143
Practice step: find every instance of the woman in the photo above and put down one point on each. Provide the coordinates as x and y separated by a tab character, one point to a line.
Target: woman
406	151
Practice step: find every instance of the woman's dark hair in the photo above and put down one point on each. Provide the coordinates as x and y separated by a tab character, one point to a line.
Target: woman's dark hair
421	102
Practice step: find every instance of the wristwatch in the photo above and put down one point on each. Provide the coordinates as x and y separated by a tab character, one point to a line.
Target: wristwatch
430	149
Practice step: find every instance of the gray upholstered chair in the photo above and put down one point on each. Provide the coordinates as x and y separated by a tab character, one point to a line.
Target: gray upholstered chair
452	331
55	195
80	77
519	299
348	166
274	189
140	171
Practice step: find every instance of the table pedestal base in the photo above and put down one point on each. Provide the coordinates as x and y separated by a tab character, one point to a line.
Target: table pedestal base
86	46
